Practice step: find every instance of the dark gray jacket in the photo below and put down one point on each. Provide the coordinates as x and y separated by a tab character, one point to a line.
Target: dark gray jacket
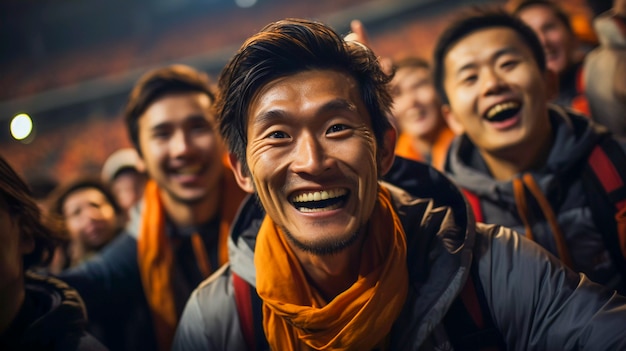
535	302
561	181
52	317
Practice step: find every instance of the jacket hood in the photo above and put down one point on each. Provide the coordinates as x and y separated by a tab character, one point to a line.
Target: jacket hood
53	314
575	136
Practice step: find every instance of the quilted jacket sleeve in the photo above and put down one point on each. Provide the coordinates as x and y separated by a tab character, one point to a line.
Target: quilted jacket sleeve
539	304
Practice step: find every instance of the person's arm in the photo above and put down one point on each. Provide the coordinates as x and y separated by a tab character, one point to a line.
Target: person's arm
539	304
111	276
210	321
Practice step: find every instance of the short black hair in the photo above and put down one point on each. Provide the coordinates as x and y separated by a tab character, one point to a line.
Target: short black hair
61	193
173	79
410	62
288	47
477	19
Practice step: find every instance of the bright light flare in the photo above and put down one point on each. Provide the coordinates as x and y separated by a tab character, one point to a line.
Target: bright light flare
21	126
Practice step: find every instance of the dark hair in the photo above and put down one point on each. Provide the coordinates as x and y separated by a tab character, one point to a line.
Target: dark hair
17	197
411	62
478	19
174	79
558	12
287	47
59	195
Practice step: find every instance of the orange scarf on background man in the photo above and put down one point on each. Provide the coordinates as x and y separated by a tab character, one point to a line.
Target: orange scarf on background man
404	148
295	317
156	259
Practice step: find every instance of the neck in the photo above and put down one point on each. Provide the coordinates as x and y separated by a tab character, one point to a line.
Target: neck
188	214
332	274
505	165
12	299
423	144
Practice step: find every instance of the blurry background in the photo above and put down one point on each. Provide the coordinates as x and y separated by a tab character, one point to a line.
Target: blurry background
69	64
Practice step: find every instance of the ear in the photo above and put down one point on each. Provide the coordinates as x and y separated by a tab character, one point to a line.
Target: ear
243	177
552	84
453	123
386	154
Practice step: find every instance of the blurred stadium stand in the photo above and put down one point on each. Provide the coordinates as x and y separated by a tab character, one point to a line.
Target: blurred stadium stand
70	64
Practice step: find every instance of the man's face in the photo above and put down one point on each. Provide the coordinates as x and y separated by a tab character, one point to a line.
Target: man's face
496	92
312	157
416	106
127	187
181	149
90	218
559	44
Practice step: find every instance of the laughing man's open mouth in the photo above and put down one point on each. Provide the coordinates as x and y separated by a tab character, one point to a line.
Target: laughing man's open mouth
318	201
502	112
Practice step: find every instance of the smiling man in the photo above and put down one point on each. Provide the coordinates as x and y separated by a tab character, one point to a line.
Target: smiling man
424	135
561	47
328	257
178	233
525	162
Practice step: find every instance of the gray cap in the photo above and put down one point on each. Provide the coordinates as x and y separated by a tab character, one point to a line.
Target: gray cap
118	161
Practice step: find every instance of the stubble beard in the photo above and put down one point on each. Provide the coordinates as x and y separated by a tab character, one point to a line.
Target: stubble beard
326	248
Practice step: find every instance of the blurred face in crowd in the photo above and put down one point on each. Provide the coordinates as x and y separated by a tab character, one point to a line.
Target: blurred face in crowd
313	158
90	218
13	246
181	147
127	187
416	105
497	94
559	44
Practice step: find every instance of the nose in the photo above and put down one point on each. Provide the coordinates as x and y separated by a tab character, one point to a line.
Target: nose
309	156
492	82
89	214
180	144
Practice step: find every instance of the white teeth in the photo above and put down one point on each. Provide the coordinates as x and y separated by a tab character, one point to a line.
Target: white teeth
319	195
189	170
501	107
329	208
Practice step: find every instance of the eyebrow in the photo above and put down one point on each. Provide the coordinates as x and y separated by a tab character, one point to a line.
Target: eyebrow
275	116
495	56
168	123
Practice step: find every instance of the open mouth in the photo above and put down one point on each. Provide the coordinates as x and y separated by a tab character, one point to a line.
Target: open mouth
502	112
318	201
189	170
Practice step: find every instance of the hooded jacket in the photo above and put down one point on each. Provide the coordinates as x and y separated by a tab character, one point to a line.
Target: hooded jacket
521	281
52	317
561	183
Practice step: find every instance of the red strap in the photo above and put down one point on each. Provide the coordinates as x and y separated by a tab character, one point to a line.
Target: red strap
474	202
472	305
244	310
605	170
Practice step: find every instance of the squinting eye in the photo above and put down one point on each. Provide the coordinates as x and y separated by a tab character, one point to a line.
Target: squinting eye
470	79
277	135
509	64
337	128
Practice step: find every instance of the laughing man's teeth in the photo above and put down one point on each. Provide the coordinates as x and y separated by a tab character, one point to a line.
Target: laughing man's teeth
501	107
319	195
189	170
328	208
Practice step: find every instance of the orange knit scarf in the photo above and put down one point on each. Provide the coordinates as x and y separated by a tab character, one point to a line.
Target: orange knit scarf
294	316
156	259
